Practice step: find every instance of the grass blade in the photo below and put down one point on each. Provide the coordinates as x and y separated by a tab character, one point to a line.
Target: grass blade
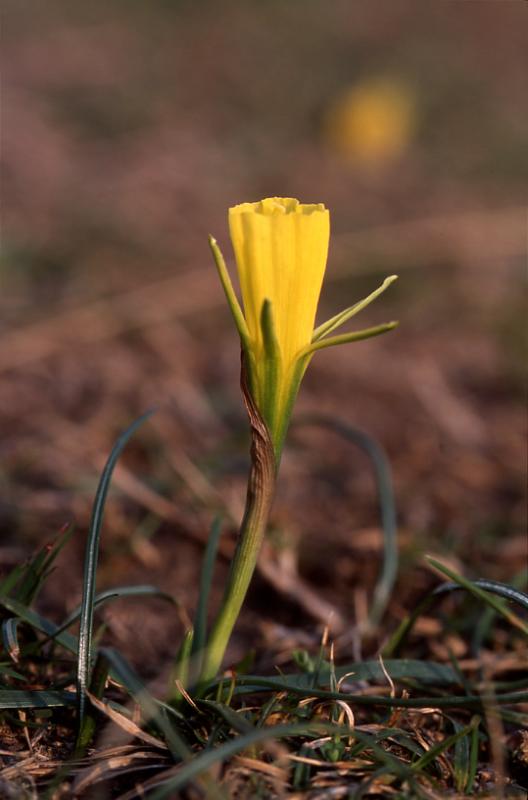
96	689
484	590
206	577
33	574
60	542
11	579
90	567
10	637
409	670
462	756
182	664
382	473
479	588
500	589
208	758
473	760
251	684
116	594
485	622
17	698
25	581
7	672
441	747
40	623
151	709
235	720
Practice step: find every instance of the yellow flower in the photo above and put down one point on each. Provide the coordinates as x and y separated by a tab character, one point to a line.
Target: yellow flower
372	122
281	248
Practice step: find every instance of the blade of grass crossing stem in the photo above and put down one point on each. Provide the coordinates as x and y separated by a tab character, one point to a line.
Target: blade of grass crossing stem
235	720
500	589
382	472
365	741
252	684
52	631
423	672
97	685
208	758
473	760
58	634
364	787
150	708
463	759
301	769
40	623
441	747
206	577
20	698
10	637
484	590
116	594
484	624
180	670
90	566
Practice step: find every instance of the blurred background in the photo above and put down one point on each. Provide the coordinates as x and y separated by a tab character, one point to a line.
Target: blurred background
128	129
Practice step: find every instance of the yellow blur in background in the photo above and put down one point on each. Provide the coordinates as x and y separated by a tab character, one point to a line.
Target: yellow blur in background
372	122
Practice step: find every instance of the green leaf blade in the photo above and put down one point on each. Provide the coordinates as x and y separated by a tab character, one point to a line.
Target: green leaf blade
90	566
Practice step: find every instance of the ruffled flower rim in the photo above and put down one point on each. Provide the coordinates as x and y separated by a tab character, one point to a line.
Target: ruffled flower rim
271	206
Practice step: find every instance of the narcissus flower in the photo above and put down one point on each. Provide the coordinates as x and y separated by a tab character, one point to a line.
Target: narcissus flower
372	122
281	248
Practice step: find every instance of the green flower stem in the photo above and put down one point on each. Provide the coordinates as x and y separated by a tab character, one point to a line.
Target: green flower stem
268	433
261	488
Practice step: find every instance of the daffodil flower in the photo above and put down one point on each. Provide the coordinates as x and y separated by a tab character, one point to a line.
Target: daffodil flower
281	249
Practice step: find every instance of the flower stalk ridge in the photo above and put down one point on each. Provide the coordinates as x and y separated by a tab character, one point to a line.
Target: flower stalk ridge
281	248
